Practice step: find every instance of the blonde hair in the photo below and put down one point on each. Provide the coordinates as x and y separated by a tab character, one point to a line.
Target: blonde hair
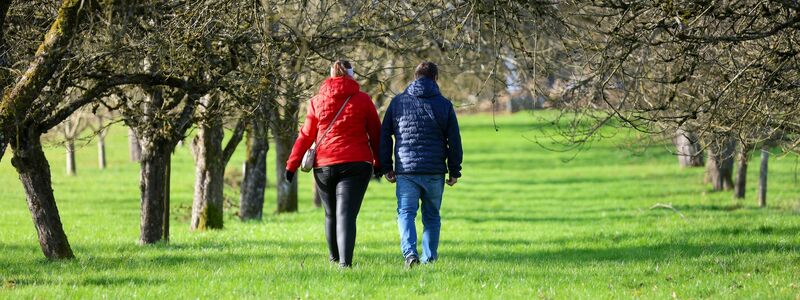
339	68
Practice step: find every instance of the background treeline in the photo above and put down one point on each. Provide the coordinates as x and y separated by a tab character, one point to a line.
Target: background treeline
717	77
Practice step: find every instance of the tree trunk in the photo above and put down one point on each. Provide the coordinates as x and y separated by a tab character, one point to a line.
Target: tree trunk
762	178
689	150
153	185
71	171
101	151
134	147
741	172
34	173
3	144
167	187
251	203
286	191
209	176
719	169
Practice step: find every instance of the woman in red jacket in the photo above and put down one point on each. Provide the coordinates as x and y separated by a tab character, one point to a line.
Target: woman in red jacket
346	156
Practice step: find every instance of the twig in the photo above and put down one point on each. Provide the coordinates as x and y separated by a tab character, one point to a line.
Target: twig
667	206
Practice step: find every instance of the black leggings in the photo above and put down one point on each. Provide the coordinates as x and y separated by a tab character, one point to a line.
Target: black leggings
341	188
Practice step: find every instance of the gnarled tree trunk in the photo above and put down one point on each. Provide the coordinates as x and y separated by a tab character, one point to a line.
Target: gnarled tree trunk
689	150
210	162
286	191
719	169
740	184
251	203
34	173
209	171
154	189
209	179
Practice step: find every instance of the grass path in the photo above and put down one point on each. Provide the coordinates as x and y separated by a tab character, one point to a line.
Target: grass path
521	223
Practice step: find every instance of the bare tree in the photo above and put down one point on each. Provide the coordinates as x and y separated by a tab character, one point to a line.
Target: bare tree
35	104
724	69
24	134
689	149
100	129
70	130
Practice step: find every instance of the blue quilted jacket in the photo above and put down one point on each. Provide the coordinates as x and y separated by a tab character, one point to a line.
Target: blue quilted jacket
425	131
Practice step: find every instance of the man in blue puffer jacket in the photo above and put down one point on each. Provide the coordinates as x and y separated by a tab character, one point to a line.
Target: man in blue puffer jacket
427	144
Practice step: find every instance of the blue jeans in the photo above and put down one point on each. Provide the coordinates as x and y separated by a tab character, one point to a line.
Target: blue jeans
410	190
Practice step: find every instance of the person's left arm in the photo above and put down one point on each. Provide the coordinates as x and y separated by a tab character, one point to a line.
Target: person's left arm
455	153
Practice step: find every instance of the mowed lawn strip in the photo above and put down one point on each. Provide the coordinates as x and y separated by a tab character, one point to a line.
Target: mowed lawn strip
523	223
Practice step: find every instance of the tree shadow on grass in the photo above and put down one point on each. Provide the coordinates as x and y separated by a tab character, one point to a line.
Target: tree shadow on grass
557	181
709	207
107	280
576	256
497	218
117	258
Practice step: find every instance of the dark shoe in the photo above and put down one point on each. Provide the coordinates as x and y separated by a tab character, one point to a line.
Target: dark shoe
411	261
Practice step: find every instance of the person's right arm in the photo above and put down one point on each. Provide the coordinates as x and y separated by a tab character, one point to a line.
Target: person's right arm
306	137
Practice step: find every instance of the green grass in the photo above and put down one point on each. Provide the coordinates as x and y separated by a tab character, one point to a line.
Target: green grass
521	223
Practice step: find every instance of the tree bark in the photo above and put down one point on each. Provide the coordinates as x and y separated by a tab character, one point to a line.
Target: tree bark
158	132
3	145
210	162
71	170
251	203
689	150
34	173
740	183
153	187
286	191
5	62
167	187
719	169
134	147
209	175
18	100
762	178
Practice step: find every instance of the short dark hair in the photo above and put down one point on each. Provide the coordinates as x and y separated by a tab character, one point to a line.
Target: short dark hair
427	69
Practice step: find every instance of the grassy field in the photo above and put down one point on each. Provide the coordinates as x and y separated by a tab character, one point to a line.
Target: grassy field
522	223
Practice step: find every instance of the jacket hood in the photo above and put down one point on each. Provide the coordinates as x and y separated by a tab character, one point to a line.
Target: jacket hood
339	87
423	88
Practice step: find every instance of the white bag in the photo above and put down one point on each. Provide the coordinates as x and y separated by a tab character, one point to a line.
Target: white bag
308	159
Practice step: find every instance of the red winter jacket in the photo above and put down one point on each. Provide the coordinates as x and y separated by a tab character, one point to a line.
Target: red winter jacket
355	135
